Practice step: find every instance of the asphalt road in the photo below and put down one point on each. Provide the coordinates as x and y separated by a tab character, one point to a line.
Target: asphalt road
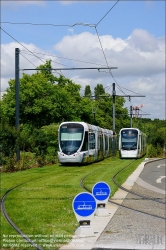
154	173
134	230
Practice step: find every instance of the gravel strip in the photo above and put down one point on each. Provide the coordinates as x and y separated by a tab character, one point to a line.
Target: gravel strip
134	230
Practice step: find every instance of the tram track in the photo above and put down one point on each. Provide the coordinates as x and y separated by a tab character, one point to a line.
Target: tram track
145	198
3	209
9	220
131	192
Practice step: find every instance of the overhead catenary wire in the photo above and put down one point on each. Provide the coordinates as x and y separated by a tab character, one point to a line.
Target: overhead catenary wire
69	25
28	60
84	24
38	24
20	43
60	25
71	59
51	61
106	13
23	45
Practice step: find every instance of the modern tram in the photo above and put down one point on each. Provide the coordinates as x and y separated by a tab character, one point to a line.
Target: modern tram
132	143
83	143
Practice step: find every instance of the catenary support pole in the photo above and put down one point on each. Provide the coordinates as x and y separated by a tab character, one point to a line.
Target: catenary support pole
17	51
114	133
131	114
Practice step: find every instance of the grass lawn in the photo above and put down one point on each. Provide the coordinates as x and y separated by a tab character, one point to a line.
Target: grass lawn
42	206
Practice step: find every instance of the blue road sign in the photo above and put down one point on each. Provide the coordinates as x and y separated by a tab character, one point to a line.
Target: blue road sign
101	191
84	204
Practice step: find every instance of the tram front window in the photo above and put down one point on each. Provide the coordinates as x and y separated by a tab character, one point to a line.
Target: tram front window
129	139
71	138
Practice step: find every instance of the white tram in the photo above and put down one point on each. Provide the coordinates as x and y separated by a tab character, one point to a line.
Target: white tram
132	143
82	143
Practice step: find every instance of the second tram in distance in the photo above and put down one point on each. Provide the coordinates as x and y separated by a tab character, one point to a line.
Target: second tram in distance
83	143
132	143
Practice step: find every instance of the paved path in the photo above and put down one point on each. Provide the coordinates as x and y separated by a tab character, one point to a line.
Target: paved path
134	230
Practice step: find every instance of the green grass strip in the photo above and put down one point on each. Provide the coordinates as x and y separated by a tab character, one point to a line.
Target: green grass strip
42	206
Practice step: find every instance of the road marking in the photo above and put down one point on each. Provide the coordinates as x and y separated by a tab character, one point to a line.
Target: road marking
159	179
162	165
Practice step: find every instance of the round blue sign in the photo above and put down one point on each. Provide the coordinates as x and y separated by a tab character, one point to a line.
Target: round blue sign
101	191
84	204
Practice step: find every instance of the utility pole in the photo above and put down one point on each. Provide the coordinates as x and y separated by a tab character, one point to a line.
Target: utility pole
114	114
131	114
17	70
17	84
114	133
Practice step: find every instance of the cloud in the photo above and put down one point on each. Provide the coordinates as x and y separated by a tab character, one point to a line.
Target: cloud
68	2
27	60
71	31
140	54
14	4
143	41
140	60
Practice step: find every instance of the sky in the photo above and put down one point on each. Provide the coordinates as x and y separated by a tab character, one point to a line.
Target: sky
128	35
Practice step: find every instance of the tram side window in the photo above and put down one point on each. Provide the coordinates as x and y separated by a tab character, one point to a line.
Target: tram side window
91	141
85	144
110	143
101	142
106	142
139	143
98	142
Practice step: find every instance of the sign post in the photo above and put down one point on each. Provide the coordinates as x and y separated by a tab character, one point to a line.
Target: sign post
84	207
101	191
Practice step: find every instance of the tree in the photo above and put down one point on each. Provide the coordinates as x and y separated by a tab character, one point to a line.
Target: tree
42	101
99	90
47	72
87	91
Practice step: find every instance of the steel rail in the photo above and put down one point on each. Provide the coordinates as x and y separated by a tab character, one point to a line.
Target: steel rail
121	205
131	192
3	209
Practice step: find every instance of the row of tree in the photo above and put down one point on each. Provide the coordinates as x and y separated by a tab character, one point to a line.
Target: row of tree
46	101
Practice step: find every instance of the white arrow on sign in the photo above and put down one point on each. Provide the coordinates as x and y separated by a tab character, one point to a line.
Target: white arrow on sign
162	165
159	179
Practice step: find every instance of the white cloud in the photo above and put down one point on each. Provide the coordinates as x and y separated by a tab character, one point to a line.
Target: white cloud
27	60
71	31
140	54
4	83
143	41
68	2
16	3
149	85
140	60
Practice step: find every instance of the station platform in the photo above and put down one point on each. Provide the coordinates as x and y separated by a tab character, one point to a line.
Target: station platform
124	228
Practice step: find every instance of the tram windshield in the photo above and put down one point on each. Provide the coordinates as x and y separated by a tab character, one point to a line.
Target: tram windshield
129	139
71	135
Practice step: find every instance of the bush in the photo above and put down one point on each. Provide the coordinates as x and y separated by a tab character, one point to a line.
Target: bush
9	138
27	160
153	151
8	163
